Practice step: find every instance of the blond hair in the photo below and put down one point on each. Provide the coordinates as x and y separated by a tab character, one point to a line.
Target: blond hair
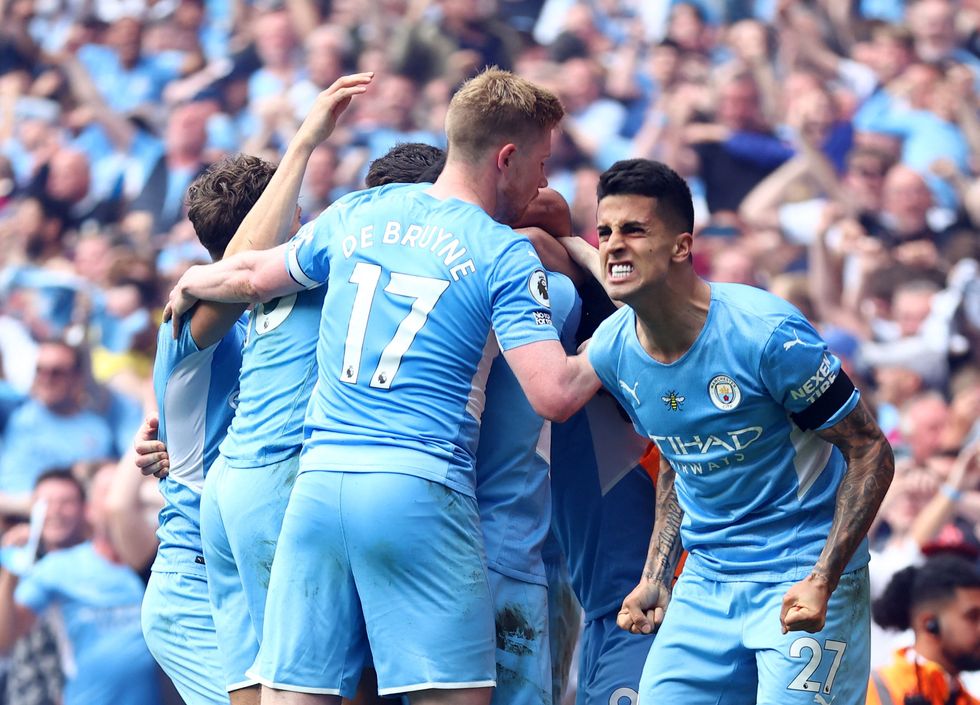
497	106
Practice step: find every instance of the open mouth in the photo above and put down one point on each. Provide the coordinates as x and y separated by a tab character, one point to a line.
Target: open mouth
620	271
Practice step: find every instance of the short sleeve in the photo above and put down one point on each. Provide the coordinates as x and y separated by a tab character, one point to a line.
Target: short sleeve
307	256
519	298
806	378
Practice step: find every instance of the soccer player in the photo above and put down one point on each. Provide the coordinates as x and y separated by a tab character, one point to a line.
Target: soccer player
772	468
196	380
382	517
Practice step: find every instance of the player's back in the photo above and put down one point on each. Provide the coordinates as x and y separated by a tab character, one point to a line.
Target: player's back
415	284
513	459
277	378
196	391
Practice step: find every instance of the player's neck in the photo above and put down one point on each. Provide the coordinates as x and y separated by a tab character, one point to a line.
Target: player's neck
668	322
466	184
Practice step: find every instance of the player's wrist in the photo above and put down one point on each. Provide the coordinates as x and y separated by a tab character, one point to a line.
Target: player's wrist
822	580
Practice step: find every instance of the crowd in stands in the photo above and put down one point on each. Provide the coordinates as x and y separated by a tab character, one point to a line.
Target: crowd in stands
833	147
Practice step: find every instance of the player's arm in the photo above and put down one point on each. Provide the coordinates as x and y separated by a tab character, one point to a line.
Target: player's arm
643	609
248	277
269	221
15	619
870	467
553	256
556	384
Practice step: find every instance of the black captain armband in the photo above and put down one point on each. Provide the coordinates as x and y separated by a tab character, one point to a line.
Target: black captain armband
826	405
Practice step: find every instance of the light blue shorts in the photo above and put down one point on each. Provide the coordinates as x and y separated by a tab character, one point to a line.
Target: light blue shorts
383	564
722	643
241	515
523	647
179	632
610	664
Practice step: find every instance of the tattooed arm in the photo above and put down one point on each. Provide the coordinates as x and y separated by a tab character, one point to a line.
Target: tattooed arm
643	609
870	466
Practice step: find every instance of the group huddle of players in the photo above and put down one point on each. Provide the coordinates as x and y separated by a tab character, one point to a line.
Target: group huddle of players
389	493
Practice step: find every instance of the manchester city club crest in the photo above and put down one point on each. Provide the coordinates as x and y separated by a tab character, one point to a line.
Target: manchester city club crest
724	393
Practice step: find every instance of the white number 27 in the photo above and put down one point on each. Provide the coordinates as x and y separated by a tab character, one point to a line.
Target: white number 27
426	292
802	681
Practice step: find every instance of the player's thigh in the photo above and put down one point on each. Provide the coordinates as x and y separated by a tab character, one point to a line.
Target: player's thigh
253	525
611	663
416	553
313	640
697	657
523	645
179	632
237	640
830	666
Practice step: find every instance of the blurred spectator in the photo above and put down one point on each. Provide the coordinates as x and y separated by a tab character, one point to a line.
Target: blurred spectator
127	77
459	38
52	429
160	203
35	675
98	599
940	601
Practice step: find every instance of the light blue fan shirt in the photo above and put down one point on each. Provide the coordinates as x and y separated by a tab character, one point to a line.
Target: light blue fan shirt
513	459
197	392
758	493
94	607
415	285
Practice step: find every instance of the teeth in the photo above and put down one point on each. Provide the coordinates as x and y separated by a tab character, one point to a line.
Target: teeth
621	270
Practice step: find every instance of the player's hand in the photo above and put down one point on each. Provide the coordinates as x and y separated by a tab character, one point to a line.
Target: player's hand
180	303
330	105
805	605
644	608
151	455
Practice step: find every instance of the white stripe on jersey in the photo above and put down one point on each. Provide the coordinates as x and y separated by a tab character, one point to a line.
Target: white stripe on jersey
185	407
810	460
477	398
618	448
296	272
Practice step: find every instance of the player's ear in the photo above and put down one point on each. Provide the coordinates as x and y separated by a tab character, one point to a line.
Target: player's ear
505	155
683	244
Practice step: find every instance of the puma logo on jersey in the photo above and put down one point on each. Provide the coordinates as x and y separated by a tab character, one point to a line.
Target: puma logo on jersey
631	390
791	343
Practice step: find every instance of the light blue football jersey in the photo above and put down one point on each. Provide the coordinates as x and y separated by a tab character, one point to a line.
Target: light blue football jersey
758	493
415	285
278	374
196	391
512	461
95	607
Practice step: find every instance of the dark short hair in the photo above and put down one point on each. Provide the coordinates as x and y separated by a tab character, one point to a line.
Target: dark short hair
934	582
64	475
644	177
220	198
406	163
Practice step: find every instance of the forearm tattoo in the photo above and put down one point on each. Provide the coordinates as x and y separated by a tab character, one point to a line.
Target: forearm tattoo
665	545
870	467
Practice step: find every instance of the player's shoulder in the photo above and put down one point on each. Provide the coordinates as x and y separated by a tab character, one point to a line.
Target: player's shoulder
756	308
611	334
